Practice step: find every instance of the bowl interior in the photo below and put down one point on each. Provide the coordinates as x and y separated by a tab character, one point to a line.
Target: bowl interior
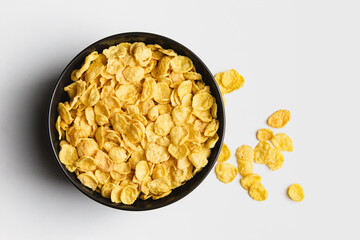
59	95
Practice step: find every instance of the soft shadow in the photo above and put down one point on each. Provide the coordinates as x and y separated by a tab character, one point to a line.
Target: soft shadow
44	160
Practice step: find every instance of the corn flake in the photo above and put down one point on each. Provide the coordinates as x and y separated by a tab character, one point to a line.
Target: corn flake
296	192
225	172
279	119
258	192
264	134
261	152
89	180
282	142
224	153
249	180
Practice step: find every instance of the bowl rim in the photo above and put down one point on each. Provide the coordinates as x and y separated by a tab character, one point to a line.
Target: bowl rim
121	207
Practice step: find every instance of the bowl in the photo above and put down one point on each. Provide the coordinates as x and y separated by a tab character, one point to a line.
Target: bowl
59	95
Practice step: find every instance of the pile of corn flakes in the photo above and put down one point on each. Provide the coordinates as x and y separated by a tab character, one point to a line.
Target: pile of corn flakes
140	122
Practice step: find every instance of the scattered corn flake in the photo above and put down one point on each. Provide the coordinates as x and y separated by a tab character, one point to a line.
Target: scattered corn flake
282	142
225	172
249	180
258	192
279	119
224	153
264	134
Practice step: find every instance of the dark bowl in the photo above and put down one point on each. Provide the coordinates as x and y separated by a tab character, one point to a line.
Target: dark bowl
59	95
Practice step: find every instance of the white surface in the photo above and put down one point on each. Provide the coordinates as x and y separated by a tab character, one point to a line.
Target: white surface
299	55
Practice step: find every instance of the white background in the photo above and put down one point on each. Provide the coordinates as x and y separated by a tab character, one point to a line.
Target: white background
299	55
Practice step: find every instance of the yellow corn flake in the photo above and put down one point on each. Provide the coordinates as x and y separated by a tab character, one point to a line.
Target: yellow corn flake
162	93
129	194
107	189
279	119
249	180
126	92
274	159
178	135
181	64
58	127
202	101
211	142
192	76
102	177
245	153
159	186
100	136
87	147
133	74
101	109
183	163
104	162
139	122
282	142
198	159
211	128
224	153
142	54
225	172
90	115
89	180
178	151
118	51
115	194
142	170
296	192
245	168
155	153
159	171
163	125
86	163
261	152
264	134
64	113
161	196
148	89
229	81
258	192
76	74
122	167
180	115
118	154
68	154
91	96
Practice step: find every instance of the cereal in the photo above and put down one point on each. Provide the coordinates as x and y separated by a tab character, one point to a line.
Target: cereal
282	142
264	134
129	194
245	168
296	192
139	122
229	81
224	153
249	180
245	153
258	192
279	119
68	154
261	152
225	172
274	159
202	101
89	180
